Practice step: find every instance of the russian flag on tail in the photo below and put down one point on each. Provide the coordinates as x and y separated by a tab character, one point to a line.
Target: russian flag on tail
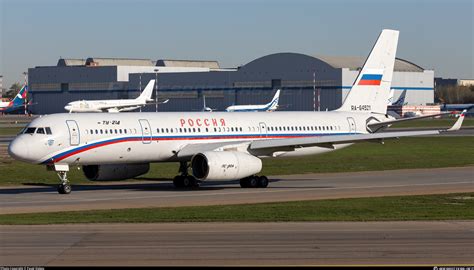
370	79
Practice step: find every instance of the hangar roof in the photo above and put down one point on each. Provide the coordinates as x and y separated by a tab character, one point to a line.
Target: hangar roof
70	62
355	62
187	63
92	61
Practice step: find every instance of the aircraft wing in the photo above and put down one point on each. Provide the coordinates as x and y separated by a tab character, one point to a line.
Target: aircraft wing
330	140
191	149
376	126
334	139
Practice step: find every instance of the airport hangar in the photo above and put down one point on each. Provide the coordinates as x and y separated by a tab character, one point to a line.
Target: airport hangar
300	77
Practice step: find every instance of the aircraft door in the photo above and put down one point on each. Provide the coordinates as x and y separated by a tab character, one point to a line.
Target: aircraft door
352	125
263	129
74	136
146	131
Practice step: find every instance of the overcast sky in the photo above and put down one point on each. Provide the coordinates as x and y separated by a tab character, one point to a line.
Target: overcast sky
435	34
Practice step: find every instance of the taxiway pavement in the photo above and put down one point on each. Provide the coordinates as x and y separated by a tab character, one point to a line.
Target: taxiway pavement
21	199
289	243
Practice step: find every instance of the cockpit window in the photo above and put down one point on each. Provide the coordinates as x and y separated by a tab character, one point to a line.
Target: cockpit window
30	130
48	130
40	131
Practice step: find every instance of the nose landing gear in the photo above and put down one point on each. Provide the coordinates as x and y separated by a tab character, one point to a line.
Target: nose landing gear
64	187
61	170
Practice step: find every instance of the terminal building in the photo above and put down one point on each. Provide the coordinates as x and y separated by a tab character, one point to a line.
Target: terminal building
303	80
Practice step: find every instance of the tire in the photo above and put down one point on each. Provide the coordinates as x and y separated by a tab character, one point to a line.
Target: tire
64	189
253	181
244	182
178	181
262	181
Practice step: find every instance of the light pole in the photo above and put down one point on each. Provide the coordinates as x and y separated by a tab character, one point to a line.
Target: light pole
140	86
156	89
25	101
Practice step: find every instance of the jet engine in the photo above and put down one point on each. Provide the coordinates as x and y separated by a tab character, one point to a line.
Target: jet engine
224	165
110	172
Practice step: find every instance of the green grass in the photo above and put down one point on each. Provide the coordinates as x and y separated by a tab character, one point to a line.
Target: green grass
10	130
397	208
426	152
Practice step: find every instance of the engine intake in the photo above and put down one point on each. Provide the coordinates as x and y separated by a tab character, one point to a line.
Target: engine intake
224	165
110	172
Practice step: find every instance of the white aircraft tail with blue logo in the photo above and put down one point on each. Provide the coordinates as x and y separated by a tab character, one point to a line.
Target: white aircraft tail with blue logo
273	105
371	88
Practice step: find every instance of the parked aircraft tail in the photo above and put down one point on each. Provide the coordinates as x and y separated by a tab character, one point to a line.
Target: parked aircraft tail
147	92
273	105
371	88
401	100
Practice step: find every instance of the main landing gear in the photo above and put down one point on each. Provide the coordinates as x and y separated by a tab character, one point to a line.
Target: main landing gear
254	181
184	180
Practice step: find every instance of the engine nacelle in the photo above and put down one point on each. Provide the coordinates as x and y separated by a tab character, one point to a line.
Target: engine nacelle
110	172
224	165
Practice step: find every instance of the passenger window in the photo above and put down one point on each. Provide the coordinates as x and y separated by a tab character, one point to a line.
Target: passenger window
40	131
48	131
167	131
194	129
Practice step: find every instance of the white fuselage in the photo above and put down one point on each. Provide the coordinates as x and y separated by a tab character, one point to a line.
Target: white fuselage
4	104
96	138
104	105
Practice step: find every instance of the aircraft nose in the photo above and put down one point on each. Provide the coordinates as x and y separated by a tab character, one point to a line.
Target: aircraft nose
67	107
18	149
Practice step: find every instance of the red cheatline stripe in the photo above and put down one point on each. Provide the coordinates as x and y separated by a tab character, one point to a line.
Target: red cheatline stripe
369	82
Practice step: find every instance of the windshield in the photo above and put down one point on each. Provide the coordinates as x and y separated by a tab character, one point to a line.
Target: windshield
30	130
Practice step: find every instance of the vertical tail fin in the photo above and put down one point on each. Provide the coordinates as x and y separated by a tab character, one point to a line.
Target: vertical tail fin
20	98
390	97
146	93
401	100
371	88
273	105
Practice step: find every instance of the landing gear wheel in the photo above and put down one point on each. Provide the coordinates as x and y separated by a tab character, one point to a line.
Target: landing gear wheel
178	181
253	181
185	181
262	181
64	189
244	182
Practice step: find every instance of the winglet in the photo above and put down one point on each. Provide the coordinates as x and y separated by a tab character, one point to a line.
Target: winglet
458	123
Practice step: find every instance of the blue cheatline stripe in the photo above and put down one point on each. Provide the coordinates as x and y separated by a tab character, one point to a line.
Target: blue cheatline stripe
87	147
377	77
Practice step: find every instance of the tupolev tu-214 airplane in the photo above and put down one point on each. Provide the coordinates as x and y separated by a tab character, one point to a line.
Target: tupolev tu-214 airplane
217	146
